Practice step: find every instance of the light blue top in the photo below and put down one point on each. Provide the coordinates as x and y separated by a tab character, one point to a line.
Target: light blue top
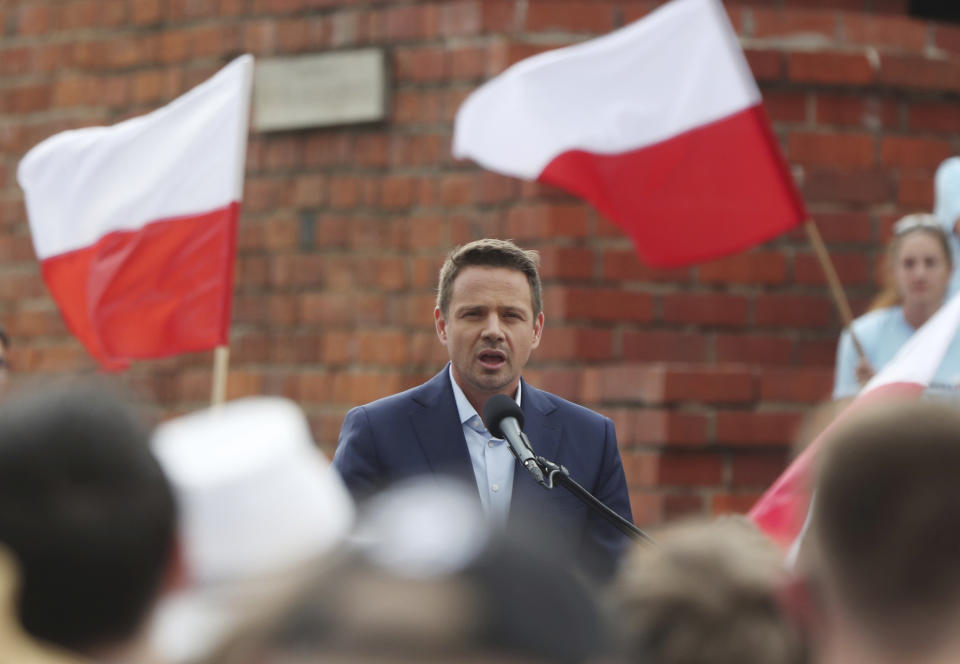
946	207
492	460
881	333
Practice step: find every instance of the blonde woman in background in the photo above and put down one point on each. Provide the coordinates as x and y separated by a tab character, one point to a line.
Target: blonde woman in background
919	266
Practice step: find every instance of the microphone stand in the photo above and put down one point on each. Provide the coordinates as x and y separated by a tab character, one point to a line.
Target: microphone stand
555	474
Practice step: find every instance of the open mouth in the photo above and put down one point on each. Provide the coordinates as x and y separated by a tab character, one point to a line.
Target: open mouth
492	359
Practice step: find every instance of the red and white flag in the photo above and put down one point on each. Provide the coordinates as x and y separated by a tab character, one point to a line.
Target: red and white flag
660	125
135	224
782	511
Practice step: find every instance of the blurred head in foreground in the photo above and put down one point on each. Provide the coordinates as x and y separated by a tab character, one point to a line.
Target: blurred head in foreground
426	581
86	514
257	502
705	594
885	536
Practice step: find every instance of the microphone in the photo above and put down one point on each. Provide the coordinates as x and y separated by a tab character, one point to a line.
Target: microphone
504	419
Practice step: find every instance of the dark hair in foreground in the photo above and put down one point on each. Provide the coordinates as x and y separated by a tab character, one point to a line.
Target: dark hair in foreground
86	511
511	604
886	523
491	253
706	594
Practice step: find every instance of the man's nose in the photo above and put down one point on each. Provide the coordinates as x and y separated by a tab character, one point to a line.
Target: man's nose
492	329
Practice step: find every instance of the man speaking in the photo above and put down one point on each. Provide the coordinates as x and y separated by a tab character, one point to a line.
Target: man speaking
489	315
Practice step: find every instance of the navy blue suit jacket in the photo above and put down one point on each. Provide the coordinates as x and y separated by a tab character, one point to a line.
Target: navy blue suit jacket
419	432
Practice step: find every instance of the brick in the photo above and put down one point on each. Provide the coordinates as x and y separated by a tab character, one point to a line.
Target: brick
714	309
844	226
733	503
785	105
756	470
602	304
915	191
467	17
683	505
796	385
855	111
499	16
651	426
794	23
664	346
690	469
753	349
852	269
342	308
793	310
746	268
146	12
533	221
569	16
381	347
713	384
359	387
852	151
564	382
918	72
575	344
756	428
830	67
623	383
947	37
647	508
566	263
623	265
941	115
910	152
765	65
34	20
468	63
403	23
857	187
397	192
894	31
641	468
420	64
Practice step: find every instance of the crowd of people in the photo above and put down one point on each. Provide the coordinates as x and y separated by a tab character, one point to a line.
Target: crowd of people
226	537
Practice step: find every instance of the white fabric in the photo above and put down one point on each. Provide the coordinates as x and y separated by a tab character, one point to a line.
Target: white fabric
930	351
185	158
255	494
678	68
946	206
257	500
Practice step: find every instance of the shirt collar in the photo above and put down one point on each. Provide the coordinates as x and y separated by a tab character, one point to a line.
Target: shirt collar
464	407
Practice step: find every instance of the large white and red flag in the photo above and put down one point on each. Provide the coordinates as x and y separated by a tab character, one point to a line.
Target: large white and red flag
928	362
135	224
659	125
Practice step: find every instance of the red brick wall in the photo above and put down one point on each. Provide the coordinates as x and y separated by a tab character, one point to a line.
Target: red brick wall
707	371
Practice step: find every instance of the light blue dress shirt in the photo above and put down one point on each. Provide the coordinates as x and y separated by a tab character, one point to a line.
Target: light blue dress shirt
881	333
492	460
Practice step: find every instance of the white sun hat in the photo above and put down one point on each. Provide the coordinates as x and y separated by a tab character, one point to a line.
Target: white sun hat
256	501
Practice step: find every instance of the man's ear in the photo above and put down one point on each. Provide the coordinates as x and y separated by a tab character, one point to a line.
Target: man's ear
441	324
537	330
177	574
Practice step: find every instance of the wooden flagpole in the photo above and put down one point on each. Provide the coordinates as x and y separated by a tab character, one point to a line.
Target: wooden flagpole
839	297
221	362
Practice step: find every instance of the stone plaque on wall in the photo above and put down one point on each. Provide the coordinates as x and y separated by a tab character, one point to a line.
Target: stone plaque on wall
344	87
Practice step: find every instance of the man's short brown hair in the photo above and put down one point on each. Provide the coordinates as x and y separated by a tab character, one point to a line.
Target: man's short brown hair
491	252
886	523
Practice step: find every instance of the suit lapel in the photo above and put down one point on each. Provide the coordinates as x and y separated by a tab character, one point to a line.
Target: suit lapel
439	431
544	437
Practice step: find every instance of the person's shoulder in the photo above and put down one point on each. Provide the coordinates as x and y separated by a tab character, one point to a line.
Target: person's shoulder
876	320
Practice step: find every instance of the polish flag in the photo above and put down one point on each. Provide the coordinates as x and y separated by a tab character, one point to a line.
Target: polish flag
660	125
922	365
135	224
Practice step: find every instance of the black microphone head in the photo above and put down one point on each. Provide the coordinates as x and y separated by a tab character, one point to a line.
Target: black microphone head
496	409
